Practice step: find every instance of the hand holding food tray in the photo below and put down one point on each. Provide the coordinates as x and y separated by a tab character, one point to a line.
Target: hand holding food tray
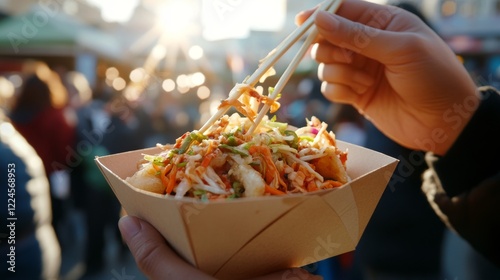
246	195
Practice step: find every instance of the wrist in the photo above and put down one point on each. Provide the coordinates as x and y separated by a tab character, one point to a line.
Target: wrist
473	156
455	119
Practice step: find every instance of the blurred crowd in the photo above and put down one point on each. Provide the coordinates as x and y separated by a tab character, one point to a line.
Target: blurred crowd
67	124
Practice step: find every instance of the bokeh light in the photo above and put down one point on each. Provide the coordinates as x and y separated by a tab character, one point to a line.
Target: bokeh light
16	80
6	88
132	93
138	75
203	92
183	81
182	89
197	79
449	8
168	85
119	84
158	52
195	52
112	73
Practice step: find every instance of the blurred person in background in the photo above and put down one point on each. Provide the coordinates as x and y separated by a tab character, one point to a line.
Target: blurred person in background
114	125
90	190
40	113
90	116
128	121
37	254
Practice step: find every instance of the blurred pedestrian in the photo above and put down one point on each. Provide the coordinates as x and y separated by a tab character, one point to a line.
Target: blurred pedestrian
92	122
29	248
41	115
92	193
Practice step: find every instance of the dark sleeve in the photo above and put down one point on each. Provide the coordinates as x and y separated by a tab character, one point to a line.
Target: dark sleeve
475	155
470	172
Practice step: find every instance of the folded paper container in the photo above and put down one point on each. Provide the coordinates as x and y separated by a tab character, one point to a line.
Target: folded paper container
246	237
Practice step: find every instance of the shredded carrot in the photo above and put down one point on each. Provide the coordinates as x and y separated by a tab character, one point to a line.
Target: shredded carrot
156	167
163	175
171	179
273	191
343	158
271	171
311	186
330	184
208	158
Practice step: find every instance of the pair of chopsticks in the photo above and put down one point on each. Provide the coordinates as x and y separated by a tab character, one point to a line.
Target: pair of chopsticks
272	58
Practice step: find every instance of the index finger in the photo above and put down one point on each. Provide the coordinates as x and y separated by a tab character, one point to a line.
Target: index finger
354	10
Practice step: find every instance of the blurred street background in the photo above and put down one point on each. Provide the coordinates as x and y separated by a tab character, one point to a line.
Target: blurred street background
139	72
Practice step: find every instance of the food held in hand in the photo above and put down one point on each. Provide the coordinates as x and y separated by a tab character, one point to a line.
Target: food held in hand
226	162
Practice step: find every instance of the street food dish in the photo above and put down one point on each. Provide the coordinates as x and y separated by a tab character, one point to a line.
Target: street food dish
228	162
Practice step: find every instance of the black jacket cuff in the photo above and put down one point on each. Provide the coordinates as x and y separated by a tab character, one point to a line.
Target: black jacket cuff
475	155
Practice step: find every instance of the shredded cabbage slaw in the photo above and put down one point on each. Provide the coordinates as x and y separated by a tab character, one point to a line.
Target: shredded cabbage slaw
225	162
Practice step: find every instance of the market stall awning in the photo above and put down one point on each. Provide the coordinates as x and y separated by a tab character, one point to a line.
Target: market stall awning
40	32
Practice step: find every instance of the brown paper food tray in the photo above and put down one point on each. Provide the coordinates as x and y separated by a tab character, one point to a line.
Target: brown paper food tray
253	236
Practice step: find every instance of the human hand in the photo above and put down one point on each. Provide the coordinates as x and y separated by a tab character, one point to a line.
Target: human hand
152	254
158	261
396	71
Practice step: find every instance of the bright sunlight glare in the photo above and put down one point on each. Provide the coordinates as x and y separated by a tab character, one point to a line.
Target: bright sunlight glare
115	10
176	17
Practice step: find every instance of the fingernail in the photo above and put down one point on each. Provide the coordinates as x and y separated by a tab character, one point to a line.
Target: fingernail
129	227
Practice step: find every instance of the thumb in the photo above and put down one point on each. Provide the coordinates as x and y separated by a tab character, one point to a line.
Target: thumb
354	36
152	254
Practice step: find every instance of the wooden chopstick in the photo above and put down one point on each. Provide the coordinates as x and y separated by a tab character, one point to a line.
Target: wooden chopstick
332	7
271	59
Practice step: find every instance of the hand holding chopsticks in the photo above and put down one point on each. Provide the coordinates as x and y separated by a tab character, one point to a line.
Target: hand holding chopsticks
271	59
